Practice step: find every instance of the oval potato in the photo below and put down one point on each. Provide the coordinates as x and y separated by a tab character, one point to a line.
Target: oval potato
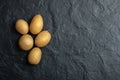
22	26
36	24
34	56
42	39
26	42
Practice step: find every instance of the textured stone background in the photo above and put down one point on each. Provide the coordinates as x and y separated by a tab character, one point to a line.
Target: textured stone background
85	41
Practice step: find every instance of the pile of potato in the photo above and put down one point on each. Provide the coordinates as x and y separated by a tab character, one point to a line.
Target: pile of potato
26	42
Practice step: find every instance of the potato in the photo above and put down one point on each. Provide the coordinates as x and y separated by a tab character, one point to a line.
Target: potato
36	24
22	26
34	56
42	39
26	42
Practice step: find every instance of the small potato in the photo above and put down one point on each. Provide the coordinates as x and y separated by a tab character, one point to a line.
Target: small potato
36	24
42	39
22	26
34	56
26	42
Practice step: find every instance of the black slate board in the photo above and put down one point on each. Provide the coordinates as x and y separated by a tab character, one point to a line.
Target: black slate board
85	41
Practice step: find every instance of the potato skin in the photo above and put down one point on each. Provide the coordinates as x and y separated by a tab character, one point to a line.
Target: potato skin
34	57
22	26
26	42
36	24
42	39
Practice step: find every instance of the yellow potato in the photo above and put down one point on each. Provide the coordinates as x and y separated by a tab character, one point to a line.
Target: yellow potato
36	24
42	39
26	42
34	56
22	26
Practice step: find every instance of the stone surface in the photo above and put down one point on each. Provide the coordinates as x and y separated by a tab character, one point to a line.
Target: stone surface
85	41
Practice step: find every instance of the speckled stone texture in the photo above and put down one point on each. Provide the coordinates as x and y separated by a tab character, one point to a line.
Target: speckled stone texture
85	41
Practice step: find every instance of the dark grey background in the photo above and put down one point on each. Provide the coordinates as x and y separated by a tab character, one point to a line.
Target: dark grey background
85	41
